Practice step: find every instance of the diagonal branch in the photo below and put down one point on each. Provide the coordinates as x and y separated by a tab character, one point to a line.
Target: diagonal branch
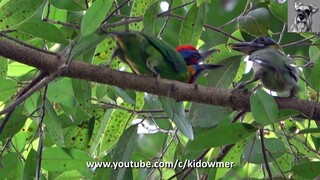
177	90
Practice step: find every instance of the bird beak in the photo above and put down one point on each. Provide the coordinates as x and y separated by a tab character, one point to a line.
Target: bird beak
246	47
206	54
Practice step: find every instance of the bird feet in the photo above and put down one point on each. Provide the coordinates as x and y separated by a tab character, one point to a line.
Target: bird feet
239	86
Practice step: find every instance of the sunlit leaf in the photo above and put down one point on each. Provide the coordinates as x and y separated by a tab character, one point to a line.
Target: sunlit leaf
13	13
94	16
191	28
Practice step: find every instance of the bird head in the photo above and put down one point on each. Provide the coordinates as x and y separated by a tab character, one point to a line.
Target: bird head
196	69
255	45
192	56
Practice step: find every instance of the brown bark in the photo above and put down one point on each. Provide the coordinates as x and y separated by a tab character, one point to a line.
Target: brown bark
176	90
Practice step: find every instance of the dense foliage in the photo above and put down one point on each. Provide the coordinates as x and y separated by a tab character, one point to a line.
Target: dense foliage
55	132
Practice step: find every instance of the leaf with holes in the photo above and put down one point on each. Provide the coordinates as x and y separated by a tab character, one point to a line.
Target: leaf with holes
150	18
192	24
14	13
139	8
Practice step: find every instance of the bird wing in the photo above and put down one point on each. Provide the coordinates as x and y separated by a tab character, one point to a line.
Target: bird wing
275	59
168	52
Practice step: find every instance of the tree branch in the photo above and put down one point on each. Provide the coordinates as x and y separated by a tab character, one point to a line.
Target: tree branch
238	100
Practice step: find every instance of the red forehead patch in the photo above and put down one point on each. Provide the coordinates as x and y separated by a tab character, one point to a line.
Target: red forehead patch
185	47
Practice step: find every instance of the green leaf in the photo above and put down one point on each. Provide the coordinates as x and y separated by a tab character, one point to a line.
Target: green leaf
30	165
64	96
279	10
201	115
64	159
71	5
150	18
14	13
8	88
233	156
139	8
252	152
94	16
43	30
85	44
307	169
175	111
123	153
53	125
119	121
100	132
309	130
224	76
223	135
14	124
192	24
77	137
127	95
82	92
286	114
315	74
11	166
263	107
103	173
199	2
3	68
256	22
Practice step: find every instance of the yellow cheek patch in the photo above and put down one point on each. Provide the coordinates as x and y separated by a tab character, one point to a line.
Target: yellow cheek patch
191	70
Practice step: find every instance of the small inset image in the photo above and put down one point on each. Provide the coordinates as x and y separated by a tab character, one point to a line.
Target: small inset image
303	16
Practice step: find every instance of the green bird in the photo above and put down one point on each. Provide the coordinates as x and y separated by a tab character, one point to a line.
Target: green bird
148	55
271	65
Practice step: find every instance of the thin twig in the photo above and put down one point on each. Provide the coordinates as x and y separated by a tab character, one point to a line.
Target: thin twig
25	44
118	8
165	149
41	133
263	149
166	21
73	26
298	42
282	32
288	142
48	10
189	170
276	163
247	8
45	81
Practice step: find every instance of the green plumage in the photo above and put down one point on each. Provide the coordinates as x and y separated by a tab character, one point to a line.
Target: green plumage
271	65
273	69
148	55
